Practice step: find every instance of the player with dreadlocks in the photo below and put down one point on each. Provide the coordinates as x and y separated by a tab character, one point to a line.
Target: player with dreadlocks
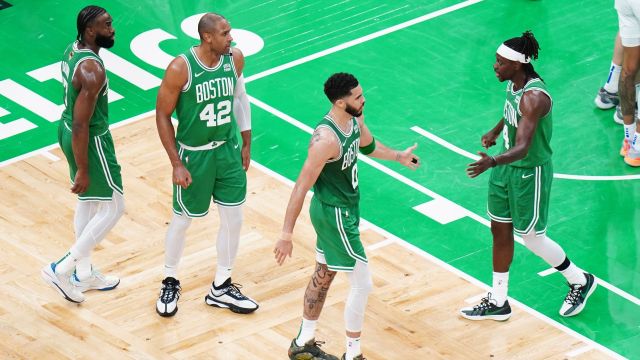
86	142
520	182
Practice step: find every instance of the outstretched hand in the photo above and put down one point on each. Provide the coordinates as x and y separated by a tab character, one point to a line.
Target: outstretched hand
481	165
408	158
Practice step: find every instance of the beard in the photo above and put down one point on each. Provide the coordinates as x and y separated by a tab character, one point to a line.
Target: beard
105	41
352	111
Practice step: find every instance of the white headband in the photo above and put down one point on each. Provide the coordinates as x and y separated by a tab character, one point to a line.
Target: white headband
508	53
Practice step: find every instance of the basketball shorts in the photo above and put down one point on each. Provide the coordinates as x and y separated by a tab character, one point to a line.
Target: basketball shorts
520	196
215	173
104	170
338	236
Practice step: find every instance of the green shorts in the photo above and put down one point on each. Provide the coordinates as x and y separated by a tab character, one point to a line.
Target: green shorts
104	171
215	173
521	196
338	235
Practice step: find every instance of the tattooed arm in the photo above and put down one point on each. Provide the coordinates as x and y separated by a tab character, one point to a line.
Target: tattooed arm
324	145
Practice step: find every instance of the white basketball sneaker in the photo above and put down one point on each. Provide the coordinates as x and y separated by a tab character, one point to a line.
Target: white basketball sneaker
62	283
97	281
228	296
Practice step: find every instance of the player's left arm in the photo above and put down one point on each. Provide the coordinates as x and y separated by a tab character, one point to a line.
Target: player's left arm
241	108
372	147
533	106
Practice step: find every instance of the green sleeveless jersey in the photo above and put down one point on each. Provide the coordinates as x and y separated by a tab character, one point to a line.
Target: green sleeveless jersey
205	105
540	147
337	184
99	122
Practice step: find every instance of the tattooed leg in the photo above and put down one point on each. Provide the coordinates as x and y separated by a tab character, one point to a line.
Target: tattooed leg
627	89
317	290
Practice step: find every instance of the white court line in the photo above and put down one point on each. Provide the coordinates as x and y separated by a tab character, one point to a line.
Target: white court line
547	272
381	244
579	351
459	273
49	156
475	157
417	186
362	39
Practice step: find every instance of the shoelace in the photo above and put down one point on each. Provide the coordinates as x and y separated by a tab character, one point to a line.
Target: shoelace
484	303
169	291
573	297
234	289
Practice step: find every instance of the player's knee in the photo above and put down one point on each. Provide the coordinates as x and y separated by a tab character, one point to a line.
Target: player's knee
117	206
360	279
532	241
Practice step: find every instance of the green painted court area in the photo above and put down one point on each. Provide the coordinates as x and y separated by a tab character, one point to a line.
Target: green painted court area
433	74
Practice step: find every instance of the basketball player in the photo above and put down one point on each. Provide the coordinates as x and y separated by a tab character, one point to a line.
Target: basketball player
629	23
206	88
85	139
520	182
331	168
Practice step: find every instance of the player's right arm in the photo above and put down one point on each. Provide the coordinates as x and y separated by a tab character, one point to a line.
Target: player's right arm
324	145
174	80
489	139
89	78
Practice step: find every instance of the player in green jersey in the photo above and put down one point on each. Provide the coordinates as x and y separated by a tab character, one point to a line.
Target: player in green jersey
85	139
206	88
331	168
520	182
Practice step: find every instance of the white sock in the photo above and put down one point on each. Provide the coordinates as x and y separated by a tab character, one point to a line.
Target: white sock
222	274
307	331
500	287
612	81
629	130
174	244
574	275
635	143
83	268
67	263
353	348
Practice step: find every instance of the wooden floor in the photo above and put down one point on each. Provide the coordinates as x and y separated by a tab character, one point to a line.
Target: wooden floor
412	312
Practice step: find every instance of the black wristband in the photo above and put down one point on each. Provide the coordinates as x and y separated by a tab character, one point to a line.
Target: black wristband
493	161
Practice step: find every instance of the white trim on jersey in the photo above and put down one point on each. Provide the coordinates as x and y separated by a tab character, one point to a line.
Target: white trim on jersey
105	166
338	127
205	67
186	86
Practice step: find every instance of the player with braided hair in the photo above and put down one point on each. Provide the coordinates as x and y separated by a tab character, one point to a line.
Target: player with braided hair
520	182
87	144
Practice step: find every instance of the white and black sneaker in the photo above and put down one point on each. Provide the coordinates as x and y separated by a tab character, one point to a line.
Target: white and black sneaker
167	304
228	296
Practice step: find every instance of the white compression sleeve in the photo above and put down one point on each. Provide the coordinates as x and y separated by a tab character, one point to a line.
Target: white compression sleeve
241	108
361	285
228	234
545	248
107	215
174	244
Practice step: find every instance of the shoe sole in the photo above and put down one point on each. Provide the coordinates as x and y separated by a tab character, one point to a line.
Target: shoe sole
584	303
47	278
617	120
101	289
236	309
632	163
603	106
487	317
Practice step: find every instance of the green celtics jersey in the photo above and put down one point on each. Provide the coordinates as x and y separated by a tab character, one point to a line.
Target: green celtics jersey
337	184
540	147
99	122
205	105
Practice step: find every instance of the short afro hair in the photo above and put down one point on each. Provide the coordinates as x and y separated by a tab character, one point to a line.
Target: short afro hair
339	85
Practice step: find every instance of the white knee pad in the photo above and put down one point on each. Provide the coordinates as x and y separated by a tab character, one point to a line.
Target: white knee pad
545	248
361	286
228	234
